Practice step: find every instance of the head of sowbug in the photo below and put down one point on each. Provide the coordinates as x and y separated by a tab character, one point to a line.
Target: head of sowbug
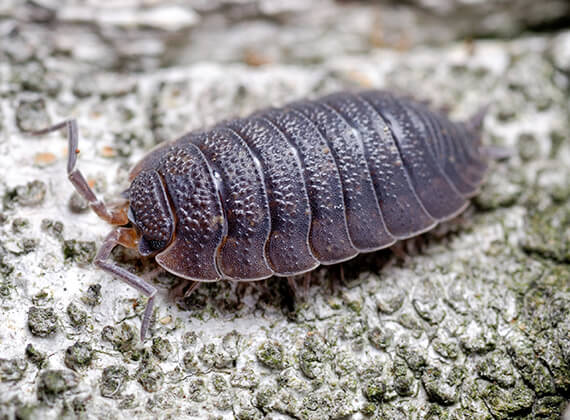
150	213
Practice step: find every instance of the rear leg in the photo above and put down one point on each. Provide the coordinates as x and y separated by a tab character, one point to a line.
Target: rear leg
126	237
300	291
182	290
115	217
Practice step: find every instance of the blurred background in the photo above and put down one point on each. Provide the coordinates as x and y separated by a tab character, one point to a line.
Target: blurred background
131	35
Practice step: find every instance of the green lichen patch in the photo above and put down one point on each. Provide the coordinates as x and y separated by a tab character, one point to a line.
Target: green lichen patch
80	405
150	376
445	345
503	403
326	404
381	337
314	355
352	328
403	379
528	146
54	228
216	356
197	390
245	378
123	337
53	383
549	345
79	355
375	389
497	367
547	232
77	316
270	353
243	408
81	252
549	408
190	362
413	354
27	411
429	310
35	356
92	295
391	412
42	322
477	337
165	400
291	381
29	195
161	348
41	298
219	382
12	370
113	380
442	383
531	367
5	270
389	298
31	76
500	190
26	246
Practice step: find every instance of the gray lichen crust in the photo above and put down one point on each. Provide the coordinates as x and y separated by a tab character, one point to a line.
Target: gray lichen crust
471	320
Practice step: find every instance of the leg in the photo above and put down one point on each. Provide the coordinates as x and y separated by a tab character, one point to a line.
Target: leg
77	178
124	236
302	292
192	288
178	291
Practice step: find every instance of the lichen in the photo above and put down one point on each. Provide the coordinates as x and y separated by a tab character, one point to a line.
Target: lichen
29	195
547	232
42	322
81	252
113	380
161	348
77	316
270	354
150	376
53	383
79	355
122	338
35	356
12	370
54	228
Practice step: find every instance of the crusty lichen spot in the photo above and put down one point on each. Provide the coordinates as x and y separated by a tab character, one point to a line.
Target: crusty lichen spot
42	322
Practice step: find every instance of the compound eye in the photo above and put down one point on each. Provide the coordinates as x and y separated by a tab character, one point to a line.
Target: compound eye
150	212
152	246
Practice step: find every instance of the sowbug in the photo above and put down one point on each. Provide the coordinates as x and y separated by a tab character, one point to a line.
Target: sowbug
286	189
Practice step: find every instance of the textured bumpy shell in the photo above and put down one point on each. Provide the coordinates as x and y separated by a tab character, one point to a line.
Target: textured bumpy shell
314	182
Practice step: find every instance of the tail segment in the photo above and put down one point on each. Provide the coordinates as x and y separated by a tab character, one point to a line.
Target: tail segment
475	125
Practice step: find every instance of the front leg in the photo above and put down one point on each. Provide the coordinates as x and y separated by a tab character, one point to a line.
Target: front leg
126	237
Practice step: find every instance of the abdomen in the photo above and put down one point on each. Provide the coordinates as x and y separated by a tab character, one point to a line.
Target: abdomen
317	182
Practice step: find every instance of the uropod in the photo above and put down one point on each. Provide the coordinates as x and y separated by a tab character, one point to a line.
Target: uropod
286	189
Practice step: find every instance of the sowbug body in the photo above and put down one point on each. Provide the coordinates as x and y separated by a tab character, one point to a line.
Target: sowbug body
286	189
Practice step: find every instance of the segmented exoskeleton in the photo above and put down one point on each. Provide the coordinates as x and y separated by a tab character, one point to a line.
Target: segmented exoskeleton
286	189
